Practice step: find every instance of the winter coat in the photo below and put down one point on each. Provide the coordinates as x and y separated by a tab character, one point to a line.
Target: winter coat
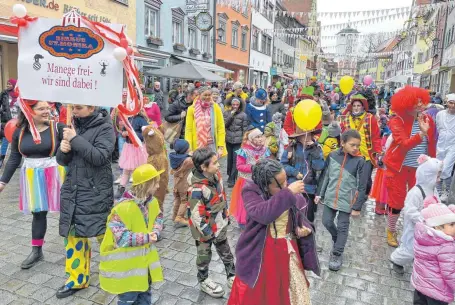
434	263
236	125
275	107
153	113
158	97
296	160
87	195
262	213
181	178
344	182
174	113
259	116
207	213
218	129
137	122
401	127
5	110
426	178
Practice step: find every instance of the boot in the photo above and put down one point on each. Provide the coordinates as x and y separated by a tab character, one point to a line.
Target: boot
2	159
392	239
398	269
180	222
35	256
119	192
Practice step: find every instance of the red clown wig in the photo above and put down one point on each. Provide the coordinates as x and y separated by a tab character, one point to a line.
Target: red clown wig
407	98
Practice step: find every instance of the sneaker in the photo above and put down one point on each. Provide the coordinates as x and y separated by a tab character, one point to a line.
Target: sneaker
118	180
397	268
180	222
336	261
212	289
230	281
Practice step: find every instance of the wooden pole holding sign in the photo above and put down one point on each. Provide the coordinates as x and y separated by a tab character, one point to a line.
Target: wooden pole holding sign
69	115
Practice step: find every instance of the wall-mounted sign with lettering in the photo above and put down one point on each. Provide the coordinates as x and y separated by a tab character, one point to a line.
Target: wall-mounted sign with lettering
195	5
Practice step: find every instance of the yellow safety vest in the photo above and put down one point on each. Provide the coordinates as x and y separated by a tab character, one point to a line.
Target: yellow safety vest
127	269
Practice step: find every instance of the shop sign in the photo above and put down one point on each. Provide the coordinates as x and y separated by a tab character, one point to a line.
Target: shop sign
68	63
195	5
93	17
273	71
44	3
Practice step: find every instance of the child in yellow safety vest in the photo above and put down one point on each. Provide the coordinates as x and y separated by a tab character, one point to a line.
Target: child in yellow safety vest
129	259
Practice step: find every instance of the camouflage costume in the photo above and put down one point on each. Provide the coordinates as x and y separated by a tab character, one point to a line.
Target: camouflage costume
208	221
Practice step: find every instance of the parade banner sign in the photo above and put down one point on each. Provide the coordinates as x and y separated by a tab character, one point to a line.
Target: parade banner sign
62	60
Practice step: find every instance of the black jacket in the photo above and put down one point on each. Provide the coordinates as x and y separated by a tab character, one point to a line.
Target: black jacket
5	111
236	125
174	113
87	194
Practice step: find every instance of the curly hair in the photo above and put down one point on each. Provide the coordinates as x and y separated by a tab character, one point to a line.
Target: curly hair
263	173
405	100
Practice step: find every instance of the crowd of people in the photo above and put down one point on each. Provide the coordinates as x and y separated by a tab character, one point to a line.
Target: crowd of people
278	175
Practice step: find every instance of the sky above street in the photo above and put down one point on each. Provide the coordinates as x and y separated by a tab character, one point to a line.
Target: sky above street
359	5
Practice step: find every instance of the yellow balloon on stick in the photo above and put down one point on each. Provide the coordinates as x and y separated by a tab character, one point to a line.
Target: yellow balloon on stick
346	84
307	115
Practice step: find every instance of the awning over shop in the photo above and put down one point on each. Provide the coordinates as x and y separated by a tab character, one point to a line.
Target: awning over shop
398	79
206	65
290	76
8	32
284	76
139	56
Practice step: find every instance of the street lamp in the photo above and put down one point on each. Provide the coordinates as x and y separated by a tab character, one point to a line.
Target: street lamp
220	33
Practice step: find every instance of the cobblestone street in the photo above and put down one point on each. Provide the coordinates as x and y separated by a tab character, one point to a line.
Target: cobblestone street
366	277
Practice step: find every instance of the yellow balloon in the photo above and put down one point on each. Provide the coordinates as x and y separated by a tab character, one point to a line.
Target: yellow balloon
307	115
346	84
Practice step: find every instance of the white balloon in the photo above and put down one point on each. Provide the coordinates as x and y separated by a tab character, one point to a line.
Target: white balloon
19	10
120	53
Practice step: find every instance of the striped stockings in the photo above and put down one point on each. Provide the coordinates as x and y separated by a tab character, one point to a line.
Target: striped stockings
392	219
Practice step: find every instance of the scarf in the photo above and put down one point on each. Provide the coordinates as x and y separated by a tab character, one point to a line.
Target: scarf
203	126
254	151
356	115
363	122
177	159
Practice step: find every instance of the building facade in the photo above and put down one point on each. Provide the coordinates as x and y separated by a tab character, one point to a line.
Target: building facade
448	59
284	46
346	44
262	22
170	34
233	25
121	12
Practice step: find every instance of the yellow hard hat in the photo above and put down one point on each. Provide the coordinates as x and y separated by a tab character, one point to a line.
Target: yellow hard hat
145	173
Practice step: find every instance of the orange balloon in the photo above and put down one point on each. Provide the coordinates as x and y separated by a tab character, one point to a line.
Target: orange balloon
10	128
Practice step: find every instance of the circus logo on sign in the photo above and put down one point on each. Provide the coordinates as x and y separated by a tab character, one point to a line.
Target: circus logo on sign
71	42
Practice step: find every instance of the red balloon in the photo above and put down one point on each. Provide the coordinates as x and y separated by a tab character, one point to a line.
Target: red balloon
10	127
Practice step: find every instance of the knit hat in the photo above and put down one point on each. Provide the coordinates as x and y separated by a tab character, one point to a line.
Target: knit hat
237	85
253	134
181	146
261	94
451	97
438	214
334	129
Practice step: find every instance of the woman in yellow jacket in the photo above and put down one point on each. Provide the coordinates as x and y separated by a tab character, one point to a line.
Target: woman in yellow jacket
205	124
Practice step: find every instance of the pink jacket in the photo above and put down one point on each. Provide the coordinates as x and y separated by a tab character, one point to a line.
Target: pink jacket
153	113
434	263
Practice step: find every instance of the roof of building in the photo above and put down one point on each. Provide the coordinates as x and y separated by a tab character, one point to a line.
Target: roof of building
348	30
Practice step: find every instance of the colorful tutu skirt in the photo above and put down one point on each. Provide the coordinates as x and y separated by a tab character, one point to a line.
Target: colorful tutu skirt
236	208
40	183
132	156
379	191
281	279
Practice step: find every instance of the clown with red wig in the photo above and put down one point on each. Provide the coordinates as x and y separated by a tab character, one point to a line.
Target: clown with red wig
413	135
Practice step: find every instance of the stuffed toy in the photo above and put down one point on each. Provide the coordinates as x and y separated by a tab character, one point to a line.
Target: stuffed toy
157	156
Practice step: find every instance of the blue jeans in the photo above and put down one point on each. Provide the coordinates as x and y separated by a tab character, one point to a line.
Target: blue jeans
4	147
135	298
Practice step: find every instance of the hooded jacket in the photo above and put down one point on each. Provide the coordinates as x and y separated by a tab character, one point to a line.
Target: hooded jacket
236	124
343	185
434	264
426	177
5	109
87	196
